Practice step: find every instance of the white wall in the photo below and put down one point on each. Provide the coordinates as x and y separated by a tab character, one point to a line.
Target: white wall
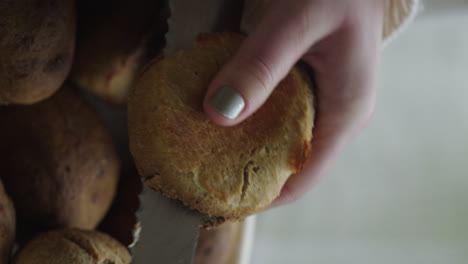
399	193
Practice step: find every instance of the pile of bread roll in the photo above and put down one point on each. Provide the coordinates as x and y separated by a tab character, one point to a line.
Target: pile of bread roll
68	184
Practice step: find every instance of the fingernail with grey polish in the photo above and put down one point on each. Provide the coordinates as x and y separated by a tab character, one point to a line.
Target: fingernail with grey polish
228	102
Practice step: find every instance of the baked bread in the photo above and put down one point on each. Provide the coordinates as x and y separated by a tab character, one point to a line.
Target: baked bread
37	41
57	162
225	172
73	246
121	220
7	225
115	39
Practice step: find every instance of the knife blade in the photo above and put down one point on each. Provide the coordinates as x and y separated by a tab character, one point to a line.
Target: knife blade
169	231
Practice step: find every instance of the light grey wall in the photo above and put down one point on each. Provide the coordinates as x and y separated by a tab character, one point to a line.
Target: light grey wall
443	6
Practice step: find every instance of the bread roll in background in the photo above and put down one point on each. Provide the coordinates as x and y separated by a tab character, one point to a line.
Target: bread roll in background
7	225
37	40
57	162
121	220
115	38
73	246
225	172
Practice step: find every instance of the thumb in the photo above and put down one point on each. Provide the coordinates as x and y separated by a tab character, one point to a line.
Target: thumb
265	57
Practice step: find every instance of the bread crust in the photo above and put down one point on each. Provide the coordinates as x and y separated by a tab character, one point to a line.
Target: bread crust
115	39
73	246
57	162
121	221
228	173
37	42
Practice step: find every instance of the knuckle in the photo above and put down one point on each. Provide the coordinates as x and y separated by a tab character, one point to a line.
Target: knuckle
260	71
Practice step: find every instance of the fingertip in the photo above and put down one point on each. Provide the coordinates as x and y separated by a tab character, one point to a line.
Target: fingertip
287	196
225	106
217	118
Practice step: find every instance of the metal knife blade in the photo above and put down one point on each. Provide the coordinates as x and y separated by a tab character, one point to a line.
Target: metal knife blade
169	231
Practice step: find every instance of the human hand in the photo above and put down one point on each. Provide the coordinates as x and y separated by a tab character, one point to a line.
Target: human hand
341	41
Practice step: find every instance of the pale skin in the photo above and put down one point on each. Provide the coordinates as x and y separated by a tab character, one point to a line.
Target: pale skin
341	41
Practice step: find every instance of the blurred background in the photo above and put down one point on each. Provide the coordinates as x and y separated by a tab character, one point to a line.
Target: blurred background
399	193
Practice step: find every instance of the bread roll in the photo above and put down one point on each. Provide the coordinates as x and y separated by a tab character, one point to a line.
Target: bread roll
57	162
226	172
115	38
37	40
121	221
73	246
7	225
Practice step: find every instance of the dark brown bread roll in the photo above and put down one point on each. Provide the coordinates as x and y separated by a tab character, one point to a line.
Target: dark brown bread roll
121	221
73	246
57	162
37	40
115	39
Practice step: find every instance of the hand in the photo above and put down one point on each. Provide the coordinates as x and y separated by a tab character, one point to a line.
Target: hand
340	40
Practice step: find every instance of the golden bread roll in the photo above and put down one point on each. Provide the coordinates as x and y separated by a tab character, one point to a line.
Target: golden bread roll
7	225
73	246
37	40
57	162
225	172
116	38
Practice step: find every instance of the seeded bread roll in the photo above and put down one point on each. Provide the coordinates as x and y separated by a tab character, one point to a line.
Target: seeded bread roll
73	246
57	162
37	41
7	225
226	172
